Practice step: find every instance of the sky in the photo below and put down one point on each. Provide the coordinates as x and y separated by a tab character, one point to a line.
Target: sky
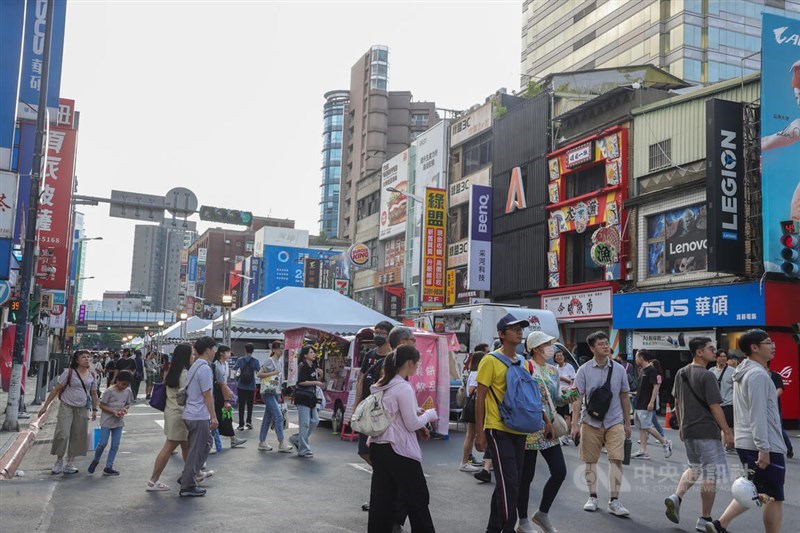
225	98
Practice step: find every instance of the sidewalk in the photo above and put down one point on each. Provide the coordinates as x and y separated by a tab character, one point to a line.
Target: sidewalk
7	437
15	444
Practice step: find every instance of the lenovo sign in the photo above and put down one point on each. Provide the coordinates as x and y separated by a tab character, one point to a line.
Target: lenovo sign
725	186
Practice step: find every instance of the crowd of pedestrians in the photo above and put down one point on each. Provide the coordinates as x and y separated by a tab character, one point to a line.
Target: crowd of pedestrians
517	408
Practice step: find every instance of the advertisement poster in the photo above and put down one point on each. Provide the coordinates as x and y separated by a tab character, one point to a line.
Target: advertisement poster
192	268
780	130
429	166
424	380
667	340
285	266
479	267
677	241
434	247
394	204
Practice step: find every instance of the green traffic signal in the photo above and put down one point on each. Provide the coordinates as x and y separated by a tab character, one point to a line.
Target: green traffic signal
226	216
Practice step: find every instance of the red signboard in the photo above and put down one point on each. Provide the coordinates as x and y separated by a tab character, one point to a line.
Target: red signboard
53	223
433	248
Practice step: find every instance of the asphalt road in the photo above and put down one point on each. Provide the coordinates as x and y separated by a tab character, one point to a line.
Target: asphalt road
271	492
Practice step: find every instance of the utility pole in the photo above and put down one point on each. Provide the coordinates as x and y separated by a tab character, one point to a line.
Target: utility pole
29	255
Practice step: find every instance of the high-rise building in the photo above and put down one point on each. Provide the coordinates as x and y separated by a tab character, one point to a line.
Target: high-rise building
378	125
155	268
701	41
333	113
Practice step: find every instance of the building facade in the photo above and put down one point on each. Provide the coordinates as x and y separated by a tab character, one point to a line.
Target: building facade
701	41
336	103
126	302
156	262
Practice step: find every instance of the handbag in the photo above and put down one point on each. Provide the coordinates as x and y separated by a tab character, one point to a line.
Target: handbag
560	427
370	418
468	413
461	396
305	396
158	397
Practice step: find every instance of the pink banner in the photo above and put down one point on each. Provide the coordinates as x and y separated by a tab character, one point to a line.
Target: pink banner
424	381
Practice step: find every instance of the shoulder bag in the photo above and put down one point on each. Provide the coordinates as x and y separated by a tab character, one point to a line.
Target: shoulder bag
182	394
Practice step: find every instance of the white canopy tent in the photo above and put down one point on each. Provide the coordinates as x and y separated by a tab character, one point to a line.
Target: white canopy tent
299	307
173	333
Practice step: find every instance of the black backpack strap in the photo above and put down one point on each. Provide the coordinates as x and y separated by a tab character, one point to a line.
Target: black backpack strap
721	374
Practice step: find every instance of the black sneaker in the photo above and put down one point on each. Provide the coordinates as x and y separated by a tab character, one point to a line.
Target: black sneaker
483	476
92	467
194	491
715	527
109	471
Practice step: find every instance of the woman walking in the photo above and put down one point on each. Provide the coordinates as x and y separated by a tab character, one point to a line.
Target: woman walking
469	415
77	391
150	370
270	376
222	397
566	379
309	377
395	454
174	427
544	441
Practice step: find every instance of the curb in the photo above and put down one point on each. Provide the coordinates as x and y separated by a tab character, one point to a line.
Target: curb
22	443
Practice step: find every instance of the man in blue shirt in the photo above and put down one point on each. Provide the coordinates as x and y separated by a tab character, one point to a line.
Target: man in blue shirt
246	368
199	415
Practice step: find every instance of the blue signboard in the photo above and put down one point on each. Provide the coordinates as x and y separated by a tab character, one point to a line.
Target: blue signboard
201	273
254	283
27	138
192	268
12	15
5	258
284	266
712	306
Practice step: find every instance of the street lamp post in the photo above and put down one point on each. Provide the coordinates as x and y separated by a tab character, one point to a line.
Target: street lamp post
183	316
227	301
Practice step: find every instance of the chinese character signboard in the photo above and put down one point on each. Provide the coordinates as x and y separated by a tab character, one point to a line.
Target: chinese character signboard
312	275
713	306
582	305
480	239
8	203
667	340
780	130
433	274
393	302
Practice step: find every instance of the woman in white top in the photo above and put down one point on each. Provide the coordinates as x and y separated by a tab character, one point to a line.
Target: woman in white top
469	414
566	379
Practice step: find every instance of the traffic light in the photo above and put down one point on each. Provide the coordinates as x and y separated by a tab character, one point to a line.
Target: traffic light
13	311
790	253
226	216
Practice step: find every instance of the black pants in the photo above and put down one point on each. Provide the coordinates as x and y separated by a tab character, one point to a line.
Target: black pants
246	398
394	474
135	387
508	451
558	472
226	425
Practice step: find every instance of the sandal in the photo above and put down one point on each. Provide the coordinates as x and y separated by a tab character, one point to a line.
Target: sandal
156	486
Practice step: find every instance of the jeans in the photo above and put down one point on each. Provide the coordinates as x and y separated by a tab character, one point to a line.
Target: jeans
558	472
246	398
116	436
309	420
395	476
508	451
272	413
656	424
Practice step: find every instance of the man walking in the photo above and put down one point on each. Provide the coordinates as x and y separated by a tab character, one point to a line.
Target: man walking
138	374
508	446
246	368
199	415
724	376
697	406
646	405
604	423
757	431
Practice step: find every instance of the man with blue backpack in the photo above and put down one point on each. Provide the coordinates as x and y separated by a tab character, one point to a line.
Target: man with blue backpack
508	406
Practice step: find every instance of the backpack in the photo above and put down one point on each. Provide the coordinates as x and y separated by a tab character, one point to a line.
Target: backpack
246	376
370	418
599	400
371	377
633	379
521	408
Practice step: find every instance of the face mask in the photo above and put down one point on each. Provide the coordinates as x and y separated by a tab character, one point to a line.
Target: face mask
548	351
380	340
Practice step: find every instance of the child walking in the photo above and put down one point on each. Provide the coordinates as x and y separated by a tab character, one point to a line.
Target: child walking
114	405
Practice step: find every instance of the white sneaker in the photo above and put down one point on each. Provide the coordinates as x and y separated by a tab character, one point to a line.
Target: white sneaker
590	505
58	468
543	521
702	523
524	526
616	508
667	449
285	448
264	446
236	442
673	509
466	467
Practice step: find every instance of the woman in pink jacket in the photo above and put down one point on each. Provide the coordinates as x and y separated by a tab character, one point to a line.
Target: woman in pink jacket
395	454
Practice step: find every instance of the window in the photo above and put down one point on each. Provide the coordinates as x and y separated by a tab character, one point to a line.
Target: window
580	267
248	246
373	252
477	154
660	155
585	181
419	120
368	205
677	241
692	70
693	35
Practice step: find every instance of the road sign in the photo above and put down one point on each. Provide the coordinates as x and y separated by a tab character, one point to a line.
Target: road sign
137	206
341	286
5	292
180	201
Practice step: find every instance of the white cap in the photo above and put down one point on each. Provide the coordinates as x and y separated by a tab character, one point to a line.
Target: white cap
536	339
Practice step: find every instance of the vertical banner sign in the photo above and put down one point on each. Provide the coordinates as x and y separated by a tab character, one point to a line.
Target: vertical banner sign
312	273
54	218
9	182
433	251
12	17
393	302
479	266
725	186
780	130
394	204
192	268
253	288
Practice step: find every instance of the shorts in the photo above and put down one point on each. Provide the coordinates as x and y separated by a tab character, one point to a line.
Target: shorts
708	457
770	480
363	448
644	418
563	410
593	439
150	379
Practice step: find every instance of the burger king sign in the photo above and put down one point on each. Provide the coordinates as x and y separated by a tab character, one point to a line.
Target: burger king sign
359	254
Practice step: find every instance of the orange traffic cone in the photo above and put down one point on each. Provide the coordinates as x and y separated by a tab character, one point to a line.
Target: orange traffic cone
669	415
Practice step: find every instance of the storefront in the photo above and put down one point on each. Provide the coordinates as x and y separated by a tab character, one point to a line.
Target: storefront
664	322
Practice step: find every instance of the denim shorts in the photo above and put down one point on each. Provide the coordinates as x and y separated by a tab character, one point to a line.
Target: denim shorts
708	456
769	480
